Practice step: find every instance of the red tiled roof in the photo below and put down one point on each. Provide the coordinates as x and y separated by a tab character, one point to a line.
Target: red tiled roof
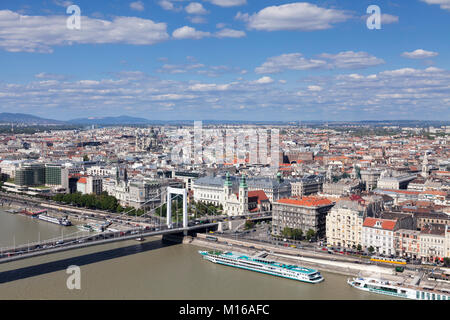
402	191
260	195
82	180
307	202
385	224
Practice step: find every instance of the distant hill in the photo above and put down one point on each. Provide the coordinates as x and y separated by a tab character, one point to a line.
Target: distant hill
108	121
22	118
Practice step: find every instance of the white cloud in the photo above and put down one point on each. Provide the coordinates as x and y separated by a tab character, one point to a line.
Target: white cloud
63	3
444	4
41	33
45	75
230	33
296	61
385	18
209	87
402	93
263	80
197	19
291	61
315	88
352	60
301	16
388	18
228	3
138	6
187	32
195	8
419	54
168	5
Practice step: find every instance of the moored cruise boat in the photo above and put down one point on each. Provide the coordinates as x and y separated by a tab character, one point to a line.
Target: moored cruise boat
397	290
60	221
239	260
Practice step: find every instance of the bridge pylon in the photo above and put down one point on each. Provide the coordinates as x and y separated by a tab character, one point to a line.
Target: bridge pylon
178	191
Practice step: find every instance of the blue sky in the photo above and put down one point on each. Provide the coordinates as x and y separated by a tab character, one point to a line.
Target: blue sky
226	59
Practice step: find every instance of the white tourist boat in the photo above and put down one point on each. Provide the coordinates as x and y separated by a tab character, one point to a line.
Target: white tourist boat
239	260
397	289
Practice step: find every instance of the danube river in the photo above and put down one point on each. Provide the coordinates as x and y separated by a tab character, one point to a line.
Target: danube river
147	270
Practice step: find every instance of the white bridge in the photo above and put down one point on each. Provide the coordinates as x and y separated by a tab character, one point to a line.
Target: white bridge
80	239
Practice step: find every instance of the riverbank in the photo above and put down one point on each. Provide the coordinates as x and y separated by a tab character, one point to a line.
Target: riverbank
332	266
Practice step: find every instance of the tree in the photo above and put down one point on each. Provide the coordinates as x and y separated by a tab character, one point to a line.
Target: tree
286	232
249	224
297	233
310	234
359	248
371	249
85	158
447	262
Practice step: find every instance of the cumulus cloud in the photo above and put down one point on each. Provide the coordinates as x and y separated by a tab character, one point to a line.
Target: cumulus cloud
388	18
138	6
385	18
195	8
169	6
230	33
300	16
209	87
352	60
42	33
198	68
228	3
315	88
263	80
419	54
398	93
197	19
444	4
296	61
291	61
187	32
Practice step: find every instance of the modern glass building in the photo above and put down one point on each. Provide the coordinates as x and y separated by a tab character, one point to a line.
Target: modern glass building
30	175
53	174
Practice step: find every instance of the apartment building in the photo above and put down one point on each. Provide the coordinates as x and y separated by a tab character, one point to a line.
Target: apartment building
433	242
379	234
305	213
344	224
407	243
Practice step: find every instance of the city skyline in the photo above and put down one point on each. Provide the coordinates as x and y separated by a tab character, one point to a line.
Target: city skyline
226	60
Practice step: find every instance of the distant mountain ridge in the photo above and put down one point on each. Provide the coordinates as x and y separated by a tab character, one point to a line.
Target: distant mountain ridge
23	118
27	119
